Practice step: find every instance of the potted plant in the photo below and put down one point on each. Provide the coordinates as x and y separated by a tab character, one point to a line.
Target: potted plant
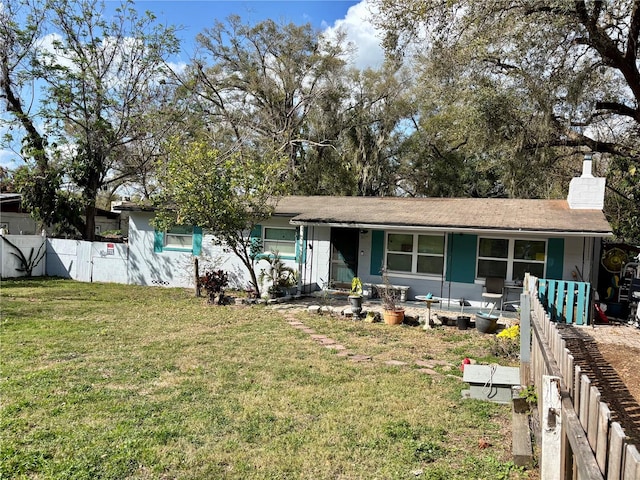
355	298
392	314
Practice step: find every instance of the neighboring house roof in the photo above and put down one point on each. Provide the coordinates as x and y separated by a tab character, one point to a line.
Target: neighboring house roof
128	206
10	197
11	202
453	214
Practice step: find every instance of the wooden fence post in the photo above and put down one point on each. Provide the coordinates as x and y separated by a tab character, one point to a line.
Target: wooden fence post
196	275
550	464
604	420
525	339
631	463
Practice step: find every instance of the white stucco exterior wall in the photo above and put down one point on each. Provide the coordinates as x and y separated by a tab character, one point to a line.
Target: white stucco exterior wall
579	255
146	267
18	223
176	269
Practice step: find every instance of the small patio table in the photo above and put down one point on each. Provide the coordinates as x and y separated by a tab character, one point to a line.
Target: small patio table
429	301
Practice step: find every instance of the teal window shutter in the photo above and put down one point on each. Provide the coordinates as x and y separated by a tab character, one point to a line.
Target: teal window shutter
461	257
555	258
158	241
256	232
197	240
377	252
304	245
255	238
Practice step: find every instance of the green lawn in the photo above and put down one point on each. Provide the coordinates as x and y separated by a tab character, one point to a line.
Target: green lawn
112	381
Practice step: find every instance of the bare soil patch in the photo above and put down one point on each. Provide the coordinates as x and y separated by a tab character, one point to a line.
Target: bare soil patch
625	361
611	360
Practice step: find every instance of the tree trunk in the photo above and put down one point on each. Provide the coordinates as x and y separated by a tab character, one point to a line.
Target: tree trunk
90	222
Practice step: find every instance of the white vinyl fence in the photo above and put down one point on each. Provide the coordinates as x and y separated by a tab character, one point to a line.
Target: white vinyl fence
75	259
16	249
87	261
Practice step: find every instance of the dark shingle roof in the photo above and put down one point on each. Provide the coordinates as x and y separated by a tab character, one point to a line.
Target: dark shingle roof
446	213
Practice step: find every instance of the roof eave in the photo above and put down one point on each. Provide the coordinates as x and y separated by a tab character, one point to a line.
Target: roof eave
455	229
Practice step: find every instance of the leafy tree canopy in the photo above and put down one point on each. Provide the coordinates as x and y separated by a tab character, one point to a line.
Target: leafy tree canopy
224	193
101	78
530	86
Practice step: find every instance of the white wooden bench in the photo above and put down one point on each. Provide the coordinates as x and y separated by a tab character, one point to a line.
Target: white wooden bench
399	290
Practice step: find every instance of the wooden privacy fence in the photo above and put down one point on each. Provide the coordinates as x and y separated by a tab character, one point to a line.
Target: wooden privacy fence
579	440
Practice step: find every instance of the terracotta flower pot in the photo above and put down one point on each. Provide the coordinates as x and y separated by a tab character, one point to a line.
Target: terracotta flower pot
393	317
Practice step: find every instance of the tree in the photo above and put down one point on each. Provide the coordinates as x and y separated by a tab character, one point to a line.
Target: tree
624	178
261	82
381	101
101	75
226	193
544	81
575	61
40	180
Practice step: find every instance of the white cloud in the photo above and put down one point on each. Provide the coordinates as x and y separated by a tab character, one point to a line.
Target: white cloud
9	159
50	44
362	34
177	67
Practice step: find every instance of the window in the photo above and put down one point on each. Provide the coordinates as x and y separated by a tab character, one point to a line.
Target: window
493	257
510	258
415	253
529	256
179	237
281	240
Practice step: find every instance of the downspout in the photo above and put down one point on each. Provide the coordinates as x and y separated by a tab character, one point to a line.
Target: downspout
310	258
302	241
449	252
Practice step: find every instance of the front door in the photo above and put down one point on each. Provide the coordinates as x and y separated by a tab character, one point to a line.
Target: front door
344	256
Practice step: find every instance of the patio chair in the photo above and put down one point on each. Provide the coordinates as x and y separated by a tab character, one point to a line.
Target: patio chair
493	292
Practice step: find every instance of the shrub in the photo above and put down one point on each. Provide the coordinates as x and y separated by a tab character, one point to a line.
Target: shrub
507	343
214	283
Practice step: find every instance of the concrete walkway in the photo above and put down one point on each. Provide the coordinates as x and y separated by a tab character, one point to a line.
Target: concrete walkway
608	334
626	335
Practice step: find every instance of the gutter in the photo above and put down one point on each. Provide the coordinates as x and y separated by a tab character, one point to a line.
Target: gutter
440	228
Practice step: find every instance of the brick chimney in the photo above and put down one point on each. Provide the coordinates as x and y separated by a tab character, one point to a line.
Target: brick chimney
586	192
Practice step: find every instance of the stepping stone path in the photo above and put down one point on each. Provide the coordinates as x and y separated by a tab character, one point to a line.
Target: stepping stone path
395	362
428	366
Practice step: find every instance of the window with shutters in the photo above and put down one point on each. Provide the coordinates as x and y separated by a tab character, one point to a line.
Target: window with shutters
181	238
281	240
510	258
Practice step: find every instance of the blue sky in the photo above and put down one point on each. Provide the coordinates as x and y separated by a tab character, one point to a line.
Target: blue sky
195	15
